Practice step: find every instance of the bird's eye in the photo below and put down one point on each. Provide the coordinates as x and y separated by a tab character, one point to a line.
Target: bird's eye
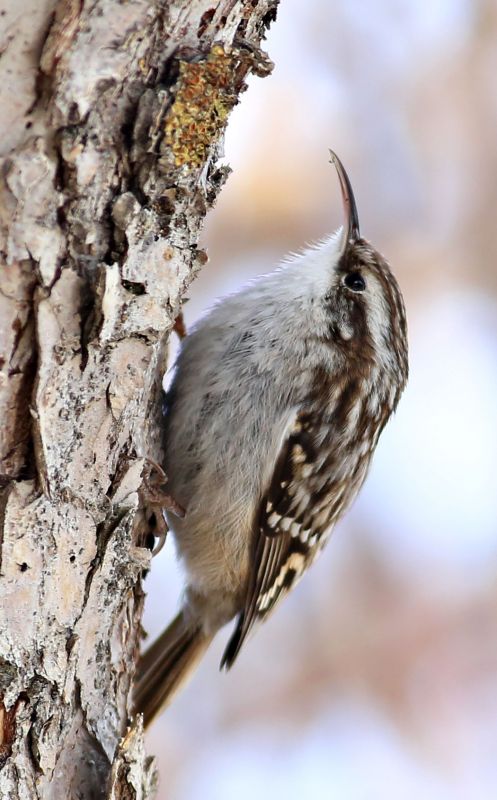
355	281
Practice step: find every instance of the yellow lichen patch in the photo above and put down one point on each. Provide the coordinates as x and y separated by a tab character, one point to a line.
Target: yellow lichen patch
206	93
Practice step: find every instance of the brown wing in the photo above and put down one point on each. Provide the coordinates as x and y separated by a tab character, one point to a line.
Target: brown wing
283	538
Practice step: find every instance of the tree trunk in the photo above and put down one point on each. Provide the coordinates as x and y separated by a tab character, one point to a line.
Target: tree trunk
113	112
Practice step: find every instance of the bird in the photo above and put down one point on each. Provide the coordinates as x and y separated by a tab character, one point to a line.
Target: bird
278	398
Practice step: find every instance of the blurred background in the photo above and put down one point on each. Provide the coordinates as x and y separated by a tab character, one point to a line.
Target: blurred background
377	677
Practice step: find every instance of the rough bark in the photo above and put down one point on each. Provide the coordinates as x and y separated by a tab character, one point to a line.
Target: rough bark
113	113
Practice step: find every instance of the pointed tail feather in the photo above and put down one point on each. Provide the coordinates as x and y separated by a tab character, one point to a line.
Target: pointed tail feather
167	664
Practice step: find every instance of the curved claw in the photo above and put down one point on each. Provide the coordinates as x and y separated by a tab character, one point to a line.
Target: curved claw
161	535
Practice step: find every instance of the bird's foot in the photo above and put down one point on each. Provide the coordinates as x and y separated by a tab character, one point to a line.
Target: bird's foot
155	500
179	326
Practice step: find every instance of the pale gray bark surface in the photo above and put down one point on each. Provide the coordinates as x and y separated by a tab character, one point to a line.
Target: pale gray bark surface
112	117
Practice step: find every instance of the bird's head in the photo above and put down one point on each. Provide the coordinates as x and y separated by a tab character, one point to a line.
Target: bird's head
363	300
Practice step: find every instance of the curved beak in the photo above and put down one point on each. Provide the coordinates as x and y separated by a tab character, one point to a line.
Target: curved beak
351	223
